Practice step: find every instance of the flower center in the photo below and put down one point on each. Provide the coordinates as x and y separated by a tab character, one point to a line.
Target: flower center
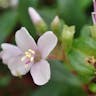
37	57
28	56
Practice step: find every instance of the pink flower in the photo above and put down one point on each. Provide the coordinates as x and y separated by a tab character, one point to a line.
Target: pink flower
94	13
27	56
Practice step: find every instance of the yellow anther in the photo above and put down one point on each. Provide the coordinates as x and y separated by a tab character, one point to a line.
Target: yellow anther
28	55
33	52
26	52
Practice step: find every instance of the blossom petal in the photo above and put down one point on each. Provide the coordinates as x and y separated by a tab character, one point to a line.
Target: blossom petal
24	40
18	67
40	72
46	43
9	51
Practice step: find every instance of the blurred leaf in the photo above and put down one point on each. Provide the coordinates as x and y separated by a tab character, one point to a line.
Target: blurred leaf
58	89
83	47
33	2
92	87
4	81
7	23
45	13
85	3
3	68
85	31
61	73
73	12
24	16
86	45
79	63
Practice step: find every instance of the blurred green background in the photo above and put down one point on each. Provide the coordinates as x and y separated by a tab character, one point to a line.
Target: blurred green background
12	17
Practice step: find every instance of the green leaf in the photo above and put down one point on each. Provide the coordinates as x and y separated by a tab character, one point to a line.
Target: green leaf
48	14
83	47
73	12
85	31
58	89
85	3
78	61
61	73
86	45
92	87
8	21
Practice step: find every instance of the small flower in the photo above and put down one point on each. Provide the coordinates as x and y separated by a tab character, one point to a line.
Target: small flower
56	25
27	56
39	23
94	13
56	21
67	36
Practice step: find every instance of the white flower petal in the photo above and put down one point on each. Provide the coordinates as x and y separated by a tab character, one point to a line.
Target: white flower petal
46	43
24	40
11	48
9	51
18	67
40	72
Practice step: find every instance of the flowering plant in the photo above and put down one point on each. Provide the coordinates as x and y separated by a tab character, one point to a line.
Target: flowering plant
57	56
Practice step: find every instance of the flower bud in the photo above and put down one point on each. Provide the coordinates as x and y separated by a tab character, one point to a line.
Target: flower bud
67	36
40	25
56	25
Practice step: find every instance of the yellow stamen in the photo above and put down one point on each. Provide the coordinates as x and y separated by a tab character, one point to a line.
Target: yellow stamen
33	52
28	54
